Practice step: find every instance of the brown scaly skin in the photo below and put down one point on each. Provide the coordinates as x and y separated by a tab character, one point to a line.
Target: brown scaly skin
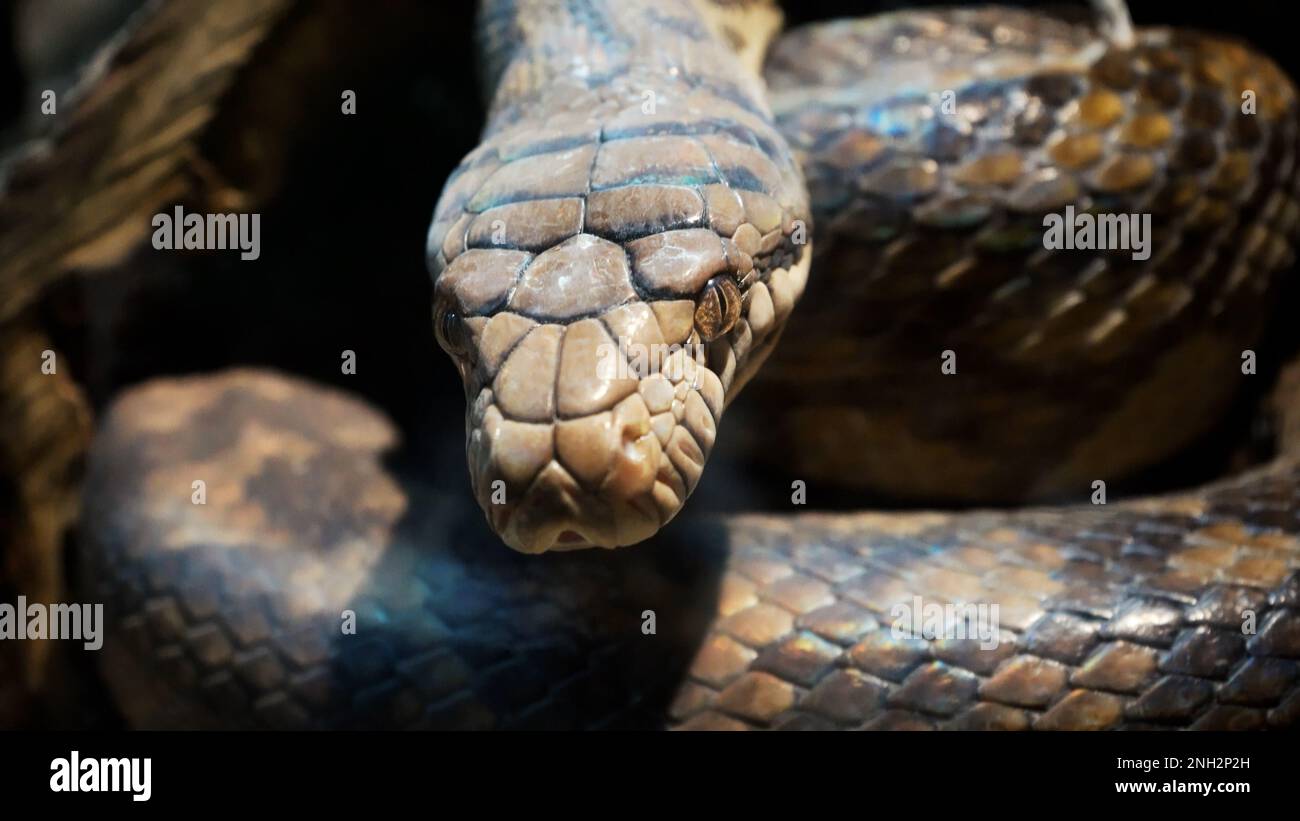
929	224
626	180
228	613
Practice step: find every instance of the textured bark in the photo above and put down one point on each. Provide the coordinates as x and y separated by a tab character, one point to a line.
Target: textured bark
46	423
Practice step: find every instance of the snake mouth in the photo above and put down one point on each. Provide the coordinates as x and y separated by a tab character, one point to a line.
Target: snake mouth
607	479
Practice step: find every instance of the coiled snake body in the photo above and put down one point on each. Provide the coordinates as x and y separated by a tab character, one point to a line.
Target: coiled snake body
633	186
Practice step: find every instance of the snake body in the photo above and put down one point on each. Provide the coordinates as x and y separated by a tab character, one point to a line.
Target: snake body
1129	359
635	181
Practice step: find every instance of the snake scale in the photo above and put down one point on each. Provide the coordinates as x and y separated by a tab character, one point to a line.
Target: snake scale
637	181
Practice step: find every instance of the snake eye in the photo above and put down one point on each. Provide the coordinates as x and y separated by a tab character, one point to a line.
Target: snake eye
718	307
450	329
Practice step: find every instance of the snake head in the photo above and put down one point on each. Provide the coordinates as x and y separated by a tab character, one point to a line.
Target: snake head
592	403
603	302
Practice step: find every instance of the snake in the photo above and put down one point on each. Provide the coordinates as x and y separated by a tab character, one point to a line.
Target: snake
849	220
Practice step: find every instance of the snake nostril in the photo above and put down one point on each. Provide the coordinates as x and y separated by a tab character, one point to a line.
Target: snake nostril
631	435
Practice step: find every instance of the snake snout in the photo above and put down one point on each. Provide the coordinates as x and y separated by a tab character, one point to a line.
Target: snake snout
574	442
